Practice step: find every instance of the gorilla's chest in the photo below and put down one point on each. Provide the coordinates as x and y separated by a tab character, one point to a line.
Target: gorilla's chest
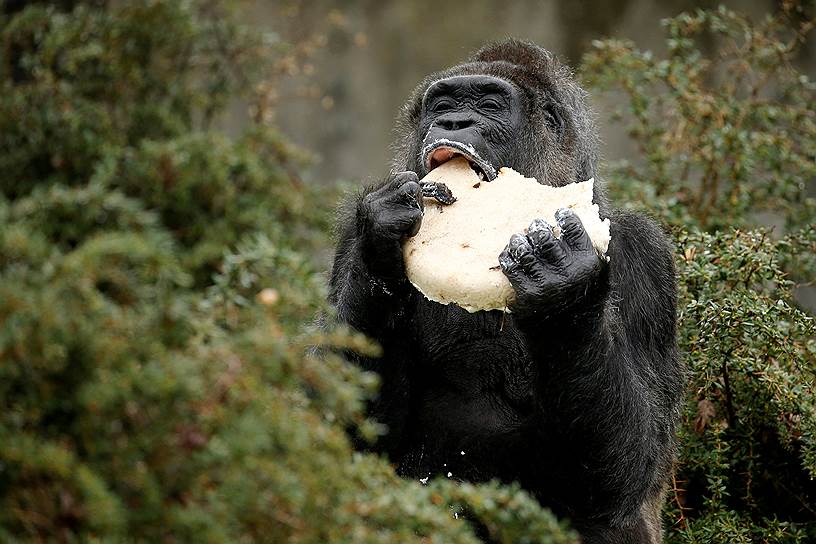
472	390
474	374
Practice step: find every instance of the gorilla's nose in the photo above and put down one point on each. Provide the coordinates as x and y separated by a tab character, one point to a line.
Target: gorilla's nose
455	122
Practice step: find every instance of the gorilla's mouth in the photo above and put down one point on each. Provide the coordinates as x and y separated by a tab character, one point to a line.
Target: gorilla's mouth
442	150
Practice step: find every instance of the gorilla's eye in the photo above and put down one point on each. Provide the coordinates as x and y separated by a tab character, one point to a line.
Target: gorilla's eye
490	104
443	106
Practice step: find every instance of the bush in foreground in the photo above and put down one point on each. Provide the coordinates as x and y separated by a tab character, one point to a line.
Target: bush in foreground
728	132
155	295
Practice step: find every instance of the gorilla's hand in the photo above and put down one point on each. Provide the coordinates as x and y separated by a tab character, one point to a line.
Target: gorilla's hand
552	275
384	218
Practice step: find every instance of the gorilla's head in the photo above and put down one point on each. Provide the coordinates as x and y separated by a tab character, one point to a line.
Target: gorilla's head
512	104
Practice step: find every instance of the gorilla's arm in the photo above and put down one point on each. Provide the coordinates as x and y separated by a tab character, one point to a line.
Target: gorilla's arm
367	284
608	375
369	290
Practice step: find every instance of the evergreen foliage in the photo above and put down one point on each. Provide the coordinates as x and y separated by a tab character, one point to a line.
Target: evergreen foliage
726	127
157	286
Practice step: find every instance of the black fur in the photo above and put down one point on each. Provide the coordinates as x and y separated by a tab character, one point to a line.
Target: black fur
575	400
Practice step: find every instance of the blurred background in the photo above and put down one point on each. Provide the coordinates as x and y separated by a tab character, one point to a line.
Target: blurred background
363	58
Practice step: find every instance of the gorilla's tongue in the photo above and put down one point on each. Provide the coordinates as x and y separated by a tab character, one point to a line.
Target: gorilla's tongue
441	155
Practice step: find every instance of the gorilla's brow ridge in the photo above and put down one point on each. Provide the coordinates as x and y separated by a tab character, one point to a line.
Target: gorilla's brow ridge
441	86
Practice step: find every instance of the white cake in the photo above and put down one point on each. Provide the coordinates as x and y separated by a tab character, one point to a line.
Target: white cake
454	257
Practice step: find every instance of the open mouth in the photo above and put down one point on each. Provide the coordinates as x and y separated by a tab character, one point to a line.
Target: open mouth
442	150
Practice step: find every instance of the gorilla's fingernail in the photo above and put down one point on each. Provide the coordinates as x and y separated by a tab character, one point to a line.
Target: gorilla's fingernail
562	214
519	245
539	225
517	240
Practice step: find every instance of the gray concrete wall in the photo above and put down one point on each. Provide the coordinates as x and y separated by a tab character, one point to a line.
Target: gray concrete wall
377	51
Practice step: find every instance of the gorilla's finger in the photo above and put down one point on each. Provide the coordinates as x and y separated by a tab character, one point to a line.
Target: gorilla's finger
522	253
510	267
395	217
534	268
572	230
401	178
392	185
545	244
506	261
408	222
408	194
519	246
537	231
418	195
416	223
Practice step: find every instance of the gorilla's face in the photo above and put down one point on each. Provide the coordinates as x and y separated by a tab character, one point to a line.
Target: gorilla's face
476	116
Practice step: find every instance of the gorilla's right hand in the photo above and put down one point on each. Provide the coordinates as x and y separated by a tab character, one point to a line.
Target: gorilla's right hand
385	217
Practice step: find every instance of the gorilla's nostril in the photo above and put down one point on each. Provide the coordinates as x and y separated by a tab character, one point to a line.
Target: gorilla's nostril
456	123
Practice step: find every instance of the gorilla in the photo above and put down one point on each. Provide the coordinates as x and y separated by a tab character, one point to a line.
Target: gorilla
575	393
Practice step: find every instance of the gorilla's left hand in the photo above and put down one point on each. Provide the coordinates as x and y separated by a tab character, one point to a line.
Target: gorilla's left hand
551	276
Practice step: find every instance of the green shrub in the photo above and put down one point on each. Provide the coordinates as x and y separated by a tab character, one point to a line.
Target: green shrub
157	286
727	131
